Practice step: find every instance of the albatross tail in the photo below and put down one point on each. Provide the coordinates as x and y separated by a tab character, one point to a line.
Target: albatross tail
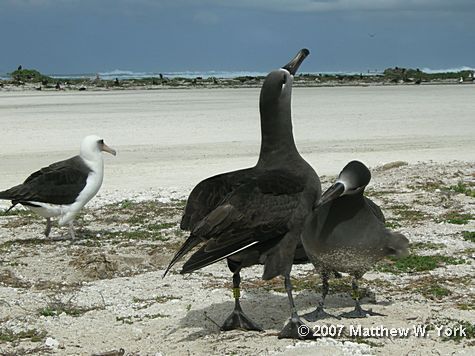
10	208
7	195
191	242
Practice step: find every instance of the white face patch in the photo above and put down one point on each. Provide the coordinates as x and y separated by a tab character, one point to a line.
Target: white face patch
287	86
345	185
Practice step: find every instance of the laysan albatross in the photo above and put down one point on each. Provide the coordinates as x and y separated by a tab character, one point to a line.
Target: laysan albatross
64	187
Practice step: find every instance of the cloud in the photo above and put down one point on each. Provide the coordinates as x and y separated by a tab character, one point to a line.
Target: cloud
40	3
273	5
206	18
352	5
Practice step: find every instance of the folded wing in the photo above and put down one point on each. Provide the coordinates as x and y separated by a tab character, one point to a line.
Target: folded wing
257	213
59	183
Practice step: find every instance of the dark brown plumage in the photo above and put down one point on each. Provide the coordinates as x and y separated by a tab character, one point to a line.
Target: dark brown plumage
346	233
255	215
59	183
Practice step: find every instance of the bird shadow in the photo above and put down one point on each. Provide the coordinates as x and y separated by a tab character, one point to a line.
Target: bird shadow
269	310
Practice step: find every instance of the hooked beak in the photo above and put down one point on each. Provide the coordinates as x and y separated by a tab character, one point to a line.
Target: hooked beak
332	193
107	149
295	63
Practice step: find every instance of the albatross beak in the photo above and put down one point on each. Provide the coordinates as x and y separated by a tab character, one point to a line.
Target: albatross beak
335	191
107	149
295	63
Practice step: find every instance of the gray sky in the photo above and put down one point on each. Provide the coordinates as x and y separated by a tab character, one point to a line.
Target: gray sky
78	36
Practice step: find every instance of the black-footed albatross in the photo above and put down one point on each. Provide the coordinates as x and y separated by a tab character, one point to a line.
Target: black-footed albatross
346	233
256	215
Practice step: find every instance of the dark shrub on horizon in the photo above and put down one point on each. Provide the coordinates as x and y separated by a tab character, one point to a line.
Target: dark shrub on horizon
30	76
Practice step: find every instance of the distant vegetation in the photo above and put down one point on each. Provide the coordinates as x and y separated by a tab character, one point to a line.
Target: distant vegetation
30	76
390	75
408	74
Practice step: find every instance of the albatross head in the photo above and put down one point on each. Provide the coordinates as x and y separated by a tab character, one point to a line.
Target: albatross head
92	146
276	91
353	179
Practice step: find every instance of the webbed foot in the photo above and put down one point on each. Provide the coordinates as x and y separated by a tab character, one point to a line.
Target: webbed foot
359	312
240	321
318	314
296	329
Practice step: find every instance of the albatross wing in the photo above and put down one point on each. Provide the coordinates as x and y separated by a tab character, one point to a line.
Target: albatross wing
255	214
375	209
60	183
208	194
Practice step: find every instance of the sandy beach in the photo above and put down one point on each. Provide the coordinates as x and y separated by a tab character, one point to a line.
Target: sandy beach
175	138
104	291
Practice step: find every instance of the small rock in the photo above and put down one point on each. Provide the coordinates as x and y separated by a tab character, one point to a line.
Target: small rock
138	333
392	165
50	342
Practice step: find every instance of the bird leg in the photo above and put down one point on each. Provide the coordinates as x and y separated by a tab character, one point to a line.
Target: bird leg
319	313
237	319
48	227
295	328
71	230
358	312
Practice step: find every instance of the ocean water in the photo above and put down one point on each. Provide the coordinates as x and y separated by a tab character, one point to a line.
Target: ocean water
123	74
127	74
449	70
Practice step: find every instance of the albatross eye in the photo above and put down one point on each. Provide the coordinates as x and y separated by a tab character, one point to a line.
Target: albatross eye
100	142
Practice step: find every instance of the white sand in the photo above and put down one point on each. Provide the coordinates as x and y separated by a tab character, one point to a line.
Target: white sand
170	140
117	282
174	138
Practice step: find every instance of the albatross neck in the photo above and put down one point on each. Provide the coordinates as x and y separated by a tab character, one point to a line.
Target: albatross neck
277	142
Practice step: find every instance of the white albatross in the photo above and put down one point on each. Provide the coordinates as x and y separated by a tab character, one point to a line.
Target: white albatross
63	188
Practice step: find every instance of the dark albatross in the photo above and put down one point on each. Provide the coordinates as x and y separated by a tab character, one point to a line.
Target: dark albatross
346	233
63	188
255	215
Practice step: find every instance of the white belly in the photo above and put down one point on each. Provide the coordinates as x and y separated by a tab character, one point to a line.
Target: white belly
47	210
93	184
68	212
